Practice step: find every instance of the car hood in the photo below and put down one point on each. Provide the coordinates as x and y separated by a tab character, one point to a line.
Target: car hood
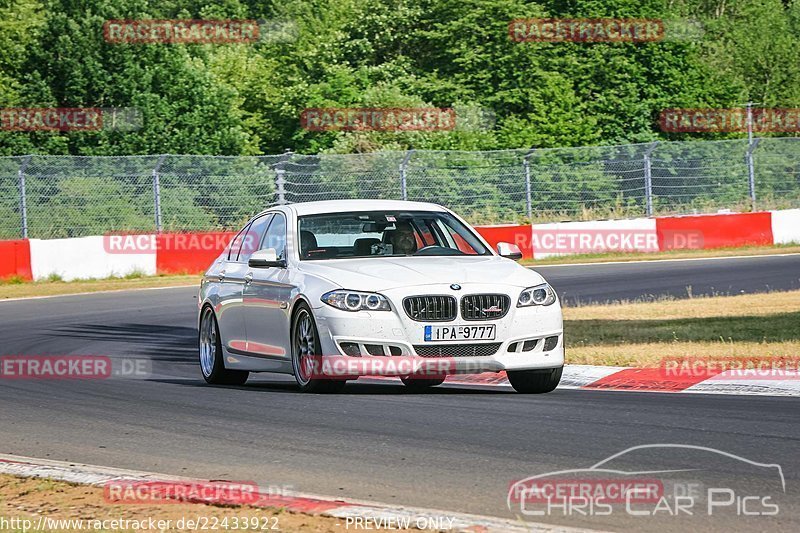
377	274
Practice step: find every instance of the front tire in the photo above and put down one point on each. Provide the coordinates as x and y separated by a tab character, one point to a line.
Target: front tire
535	381
212	365
305	349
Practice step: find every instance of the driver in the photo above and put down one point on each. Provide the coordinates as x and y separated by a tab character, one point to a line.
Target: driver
402	239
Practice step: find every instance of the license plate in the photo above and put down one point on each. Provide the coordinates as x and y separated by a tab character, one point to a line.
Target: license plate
459	333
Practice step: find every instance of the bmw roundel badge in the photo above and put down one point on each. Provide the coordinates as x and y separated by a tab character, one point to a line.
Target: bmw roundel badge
455	287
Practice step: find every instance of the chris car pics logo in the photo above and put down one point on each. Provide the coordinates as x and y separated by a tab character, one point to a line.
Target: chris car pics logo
683	481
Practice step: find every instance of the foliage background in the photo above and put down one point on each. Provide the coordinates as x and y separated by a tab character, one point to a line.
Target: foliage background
245	99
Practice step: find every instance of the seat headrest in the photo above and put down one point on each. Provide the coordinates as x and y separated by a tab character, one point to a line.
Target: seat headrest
307	242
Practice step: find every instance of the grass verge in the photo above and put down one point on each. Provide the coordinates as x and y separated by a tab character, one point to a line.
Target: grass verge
672	254
31	498
642	334
24	289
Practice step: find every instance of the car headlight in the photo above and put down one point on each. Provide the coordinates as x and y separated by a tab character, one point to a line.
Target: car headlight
356	301
539	295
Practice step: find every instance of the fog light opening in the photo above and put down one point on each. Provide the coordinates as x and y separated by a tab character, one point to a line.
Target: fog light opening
550	343
530	345
350	348
374	349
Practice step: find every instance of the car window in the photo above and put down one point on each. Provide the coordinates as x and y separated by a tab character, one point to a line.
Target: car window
457	240
236	244
253	236
276	236
382	234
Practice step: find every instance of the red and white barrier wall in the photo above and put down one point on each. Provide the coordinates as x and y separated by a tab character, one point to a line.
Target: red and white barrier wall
720	230
785	226
567	238
85	257
94	257
15	259
512	233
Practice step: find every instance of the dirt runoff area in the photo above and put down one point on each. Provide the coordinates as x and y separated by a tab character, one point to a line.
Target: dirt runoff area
35	504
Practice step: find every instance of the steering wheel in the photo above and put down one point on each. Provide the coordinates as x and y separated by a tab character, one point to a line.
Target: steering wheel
430	246
435	249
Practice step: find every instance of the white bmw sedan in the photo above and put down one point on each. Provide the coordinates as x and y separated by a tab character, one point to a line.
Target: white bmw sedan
375	280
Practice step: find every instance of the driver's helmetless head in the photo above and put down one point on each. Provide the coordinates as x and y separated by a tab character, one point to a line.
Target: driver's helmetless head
403	240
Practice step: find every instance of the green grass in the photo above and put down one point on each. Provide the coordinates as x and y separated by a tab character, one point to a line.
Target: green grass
135	274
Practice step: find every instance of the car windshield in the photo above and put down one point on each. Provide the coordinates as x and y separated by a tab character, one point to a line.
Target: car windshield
385	234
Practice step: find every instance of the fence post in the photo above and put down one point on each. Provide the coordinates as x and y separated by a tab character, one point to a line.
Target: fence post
527	166
280	181
751	174
23	198
403	179
648	180
157	192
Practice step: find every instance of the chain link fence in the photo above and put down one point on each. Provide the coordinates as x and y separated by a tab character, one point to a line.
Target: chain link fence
72	196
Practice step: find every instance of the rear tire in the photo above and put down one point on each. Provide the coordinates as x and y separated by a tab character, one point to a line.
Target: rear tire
305	344
212	365
416	384
535	381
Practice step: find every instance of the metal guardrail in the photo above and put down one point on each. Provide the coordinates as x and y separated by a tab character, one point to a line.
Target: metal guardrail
67	196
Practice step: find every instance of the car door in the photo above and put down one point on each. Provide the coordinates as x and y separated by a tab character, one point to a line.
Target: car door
231	277
267	293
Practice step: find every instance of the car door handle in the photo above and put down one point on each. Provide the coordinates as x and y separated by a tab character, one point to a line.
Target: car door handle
248	278
221	275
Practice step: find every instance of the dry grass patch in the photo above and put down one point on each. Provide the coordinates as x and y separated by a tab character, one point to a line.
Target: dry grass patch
652	354
642	334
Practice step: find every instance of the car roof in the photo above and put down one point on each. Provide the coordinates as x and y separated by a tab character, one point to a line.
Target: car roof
344	206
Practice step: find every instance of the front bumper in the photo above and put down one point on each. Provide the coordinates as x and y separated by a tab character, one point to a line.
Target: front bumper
520	337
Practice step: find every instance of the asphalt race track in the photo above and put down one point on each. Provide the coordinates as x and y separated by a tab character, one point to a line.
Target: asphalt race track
452	448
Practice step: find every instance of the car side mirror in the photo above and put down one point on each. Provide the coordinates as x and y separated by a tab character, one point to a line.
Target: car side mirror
265	258
508	250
